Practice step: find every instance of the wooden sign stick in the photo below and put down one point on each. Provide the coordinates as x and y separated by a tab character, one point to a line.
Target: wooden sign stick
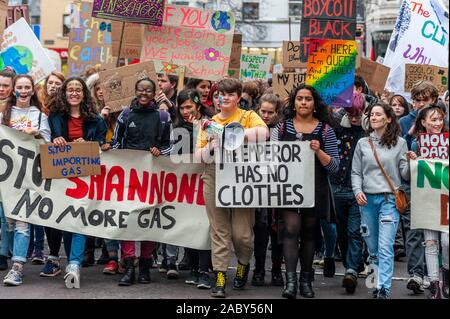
120	44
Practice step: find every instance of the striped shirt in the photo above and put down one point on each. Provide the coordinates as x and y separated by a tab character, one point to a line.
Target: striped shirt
328	136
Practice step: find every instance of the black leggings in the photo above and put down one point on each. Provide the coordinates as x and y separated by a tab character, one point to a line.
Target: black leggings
305	226
54	237
199	260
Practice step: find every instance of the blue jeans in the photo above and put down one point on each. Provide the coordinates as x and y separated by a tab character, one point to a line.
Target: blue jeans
21	239
7	236
36	239
329	238
379	222
74	247
112	245
170	252
348	228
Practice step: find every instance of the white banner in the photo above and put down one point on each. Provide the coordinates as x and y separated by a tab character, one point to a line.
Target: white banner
137	197
420	36
23	52
429	194
266	175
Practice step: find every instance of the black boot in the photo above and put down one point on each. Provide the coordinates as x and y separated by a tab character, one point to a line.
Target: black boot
329	268
104	257
240	280
89	258
129	275
290	290
306	289
258	277
435	290
445	283
277	278
3	262
144	271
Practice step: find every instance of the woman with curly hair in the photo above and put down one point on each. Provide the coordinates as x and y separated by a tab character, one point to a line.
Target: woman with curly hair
379	215
73	119
307	119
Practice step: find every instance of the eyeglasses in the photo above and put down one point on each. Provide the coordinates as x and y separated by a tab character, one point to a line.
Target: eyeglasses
148	91
71	92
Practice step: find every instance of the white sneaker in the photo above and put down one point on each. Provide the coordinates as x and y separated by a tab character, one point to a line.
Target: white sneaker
72	276
426	282
14	276
415	283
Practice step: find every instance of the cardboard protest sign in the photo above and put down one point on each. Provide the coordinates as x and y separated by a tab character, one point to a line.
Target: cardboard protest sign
199	39
429	194
326	19
131	40
433	145
291	55
135	197
255	66
17	12
89	41
75	159
331	68
23	52
118	85
375	74
137	11
3	15
284	83
418	72
420	36
260	175
236	51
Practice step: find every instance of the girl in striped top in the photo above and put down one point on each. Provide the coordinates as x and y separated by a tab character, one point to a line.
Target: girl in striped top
307	119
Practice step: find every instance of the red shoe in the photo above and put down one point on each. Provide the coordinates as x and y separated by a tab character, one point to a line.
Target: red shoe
111	267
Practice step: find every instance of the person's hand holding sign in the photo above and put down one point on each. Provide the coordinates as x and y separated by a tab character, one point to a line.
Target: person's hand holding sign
60	141
315	145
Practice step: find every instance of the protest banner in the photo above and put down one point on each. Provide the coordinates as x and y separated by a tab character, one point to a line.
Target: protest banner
118	85
3	15
15	13
136	11
199	39
375	74
429	194
266	175
326	19
75	159
420	36
433	145
418	72
255	66
331	68
131	40
291	55
89	41
136	197
284	83
236	51
23	52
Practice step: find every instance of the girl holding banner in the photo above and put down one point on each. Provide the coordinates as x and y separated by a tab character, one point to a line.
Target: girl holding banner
23	113
233	225
190	112
430	120
73	119
307	119
379	215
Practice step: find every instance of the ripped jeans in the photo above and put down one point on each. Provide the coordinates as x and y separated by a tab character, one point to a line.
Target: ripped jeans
379	222
431	244
21	239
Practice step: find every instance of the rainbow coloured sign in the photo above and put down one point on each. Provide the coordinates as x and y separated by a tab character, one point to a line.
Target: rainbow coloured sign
331	68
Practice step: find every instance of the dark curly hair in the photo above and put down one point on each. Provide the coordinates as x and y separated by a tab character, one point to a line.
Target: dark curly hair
190	94
393	130
87	106
34	101
320	108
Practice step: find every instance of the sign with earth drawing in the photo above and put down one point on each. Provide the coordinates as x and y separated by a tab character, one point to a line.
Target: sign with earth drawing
22	51
200	40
